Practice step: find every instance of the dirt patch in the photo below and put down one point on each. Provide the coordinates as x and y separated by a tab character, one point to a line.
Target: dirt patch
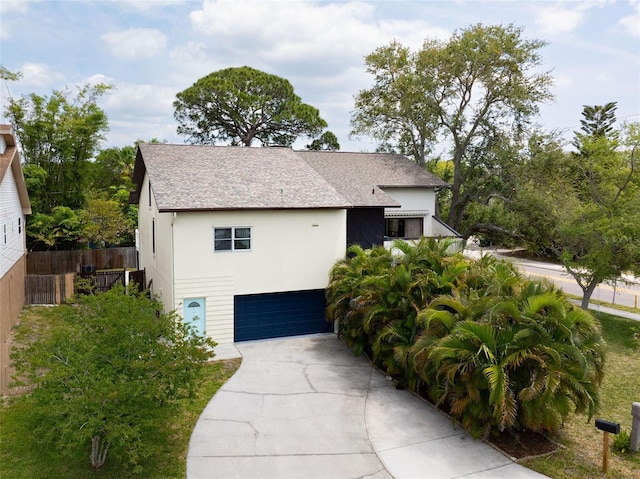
523	444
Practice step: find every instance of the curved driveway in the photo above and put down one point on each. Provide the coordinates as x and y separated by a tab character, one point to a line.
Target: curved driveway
305	407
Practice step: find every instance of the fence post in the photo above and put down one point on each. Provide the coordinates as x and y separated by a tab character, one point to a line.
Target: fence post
635	426
57	283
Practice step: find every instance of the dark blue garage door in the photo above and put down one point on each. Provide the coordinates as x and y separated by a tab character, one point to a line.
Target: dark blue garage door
273	315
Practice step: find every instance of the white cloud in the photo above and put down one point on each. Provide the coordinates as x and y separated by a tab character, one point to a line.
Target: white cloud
557	20
631	23
277	28
318	38
39	75
191	61
7	6
145	6
139	100
136	43
127	132
139	112
99	78
13	6
563	81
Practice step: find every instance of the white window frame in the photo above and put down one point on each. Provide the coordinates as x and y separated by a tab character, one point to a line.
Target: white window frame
232	239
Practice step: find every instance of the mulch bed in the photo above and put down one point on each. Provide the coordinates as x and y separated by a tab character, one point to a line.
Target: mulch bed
523	444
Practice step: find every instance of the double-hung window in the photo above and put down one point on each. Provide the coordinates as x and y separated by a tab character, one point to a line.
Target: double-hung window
232	239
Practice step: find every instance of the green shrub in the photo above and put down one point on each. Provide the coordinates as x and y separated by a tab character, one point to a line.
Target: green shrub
496	350
106	371
622	441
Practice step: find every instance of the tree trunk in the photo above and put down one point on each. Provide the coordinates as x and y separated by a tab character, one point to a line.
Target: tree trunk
99	451
457	202
587	292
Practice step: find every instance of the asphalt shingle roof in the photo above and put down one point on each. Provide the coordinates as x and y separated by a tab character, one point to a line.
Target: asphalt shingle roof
203	177
356	175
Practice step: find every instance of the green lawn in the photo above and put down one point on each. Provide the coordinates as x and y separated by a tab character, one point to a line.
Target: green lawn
22	457
582	455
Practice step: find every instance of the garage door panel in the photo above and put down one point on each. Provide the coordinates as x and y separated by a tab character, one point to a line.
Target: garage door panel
261	316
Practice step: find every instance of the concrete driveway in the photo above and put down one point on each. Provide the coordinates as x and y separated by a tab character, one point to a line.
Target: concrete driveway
305	407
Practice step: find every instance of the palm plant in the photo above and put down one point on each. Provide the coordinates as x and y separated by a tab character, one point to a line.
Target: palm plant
391	321
527	363
497	350
572	343
346	294
421	271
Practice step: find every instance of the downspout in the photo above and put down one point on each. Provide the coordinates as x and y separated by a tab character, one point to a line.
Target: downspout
173	281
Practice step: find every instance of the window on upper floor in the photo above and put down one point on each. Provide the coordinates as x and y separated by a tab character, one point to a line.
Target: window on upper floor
407	228
232	239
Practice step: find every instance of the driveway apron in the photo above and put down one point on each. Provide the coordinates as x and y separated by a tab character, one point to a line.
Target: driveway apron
305	407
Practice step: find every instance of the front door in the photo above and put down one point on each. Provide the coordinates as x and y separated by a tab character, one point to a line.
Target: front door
194	314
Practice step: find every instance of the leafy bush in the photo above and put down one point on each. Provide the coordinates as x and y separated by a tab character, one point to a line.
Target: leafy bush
622	441
496	350
110	368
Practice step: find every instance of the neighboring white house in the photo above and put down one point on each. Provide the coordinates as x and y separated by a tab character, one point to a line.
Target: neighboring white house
240	241
14	205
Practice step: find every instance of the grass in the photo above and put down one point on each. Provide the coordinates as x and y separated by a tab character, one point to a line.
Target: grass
581	456
621	307
23	457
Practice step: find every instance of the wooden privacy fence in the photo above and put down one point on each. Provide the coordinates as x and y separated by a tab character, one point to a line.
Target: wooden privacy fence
49	288
58	288
57	262
103	280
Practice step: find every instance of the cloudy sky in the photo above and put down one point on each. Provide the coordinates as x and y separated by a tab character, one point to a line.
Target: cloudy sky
149	50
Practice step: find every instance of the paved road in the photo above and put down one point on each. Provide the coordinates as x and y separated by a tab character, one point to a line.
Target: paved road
627	294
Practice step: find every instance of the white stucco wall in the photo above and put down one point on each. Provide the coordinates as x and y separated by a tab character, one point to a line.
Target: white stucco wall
420	200
12	227
158	266
291	250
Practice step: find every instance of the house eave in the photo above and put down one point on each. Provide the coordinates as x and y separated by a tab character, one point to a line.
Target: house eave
255	208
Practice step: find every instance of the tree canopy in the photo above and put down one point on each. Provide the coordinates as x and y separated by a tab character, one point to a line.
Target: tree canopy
240	105
597	121
327	141
78	194
582	208
59	135
474	93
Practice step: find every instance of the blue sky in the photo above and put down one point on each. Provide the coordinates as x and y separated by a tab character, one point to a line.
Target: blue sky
151	50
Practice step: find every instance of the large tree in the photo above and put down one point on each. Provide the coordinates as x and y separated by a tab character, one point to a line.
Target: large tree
240	105
598	238
583	209
59	135
473	93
